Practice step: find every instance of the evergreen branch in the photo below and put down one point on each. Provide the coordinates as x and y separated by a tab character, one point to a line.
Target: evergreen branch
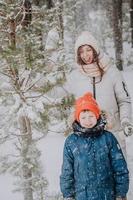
20	135
50	130
29	75
39	96
54	62
39	138
17	147
34	84
5	74
18	13
14	156
2	14
4	139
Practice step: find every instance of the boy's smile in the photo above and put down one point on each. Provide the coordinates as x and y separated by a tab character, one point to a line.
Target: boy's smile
87	119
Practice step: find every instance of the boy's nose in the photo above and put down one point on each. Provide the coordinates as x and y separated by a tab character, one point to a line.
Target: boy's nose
88	121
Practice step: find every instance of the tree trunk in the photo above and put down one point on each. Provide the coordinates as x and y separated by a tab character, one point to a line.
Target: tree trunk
80	16
60	16
25	129
12	33
131	19
27	13
69	31
49	4
117	30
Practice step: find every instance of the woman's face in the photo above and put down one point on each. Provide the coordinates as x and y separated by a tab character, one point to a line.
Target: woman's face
87	119
86	54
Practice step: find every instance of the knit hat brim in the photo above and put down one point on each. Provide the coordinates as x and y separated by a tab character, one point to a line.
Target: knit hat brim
86	102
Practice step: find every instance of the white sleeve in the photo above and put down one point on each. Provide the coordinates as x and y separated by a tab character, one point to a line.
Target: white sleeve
122	96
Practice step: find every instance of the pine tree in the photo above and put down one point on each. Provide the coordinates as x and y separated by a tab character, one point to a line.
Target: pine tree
26	82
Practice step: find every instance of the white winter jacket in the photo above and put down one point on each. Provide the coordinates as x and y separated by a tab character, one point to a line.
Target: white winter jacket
111	94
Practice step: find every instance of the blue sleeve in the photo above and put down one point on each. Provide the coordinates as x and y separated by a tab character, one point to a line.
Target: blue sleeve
67	174
119	166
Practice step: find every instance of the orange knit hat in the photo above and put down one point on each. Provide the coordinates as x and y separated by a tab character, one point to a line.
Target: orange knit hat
86	102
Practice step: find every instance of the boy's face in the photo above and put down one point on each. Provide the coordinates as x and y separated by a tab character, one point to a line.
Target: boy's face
87	119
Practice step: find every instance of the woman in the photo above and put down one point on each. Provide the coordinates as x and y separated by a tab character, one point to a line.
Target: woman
96	74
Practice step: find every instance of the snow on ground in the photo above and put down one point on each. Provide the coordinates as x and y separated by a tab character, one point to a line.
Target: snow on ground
7	187
52	150
52	153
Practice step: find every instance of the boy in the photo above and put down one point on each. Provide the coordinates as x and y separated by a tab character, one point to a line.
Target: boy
94	167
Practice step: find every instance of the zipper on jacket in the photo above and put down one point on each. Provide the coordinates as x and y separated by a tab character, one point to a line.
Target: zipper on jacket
94	88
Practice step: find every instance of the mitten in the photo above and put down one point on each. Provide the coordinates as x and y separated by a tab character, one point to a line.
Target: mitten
127	127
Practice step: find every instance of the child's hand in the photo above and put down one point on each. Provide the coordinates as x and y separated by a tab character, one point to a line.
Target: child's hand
127	127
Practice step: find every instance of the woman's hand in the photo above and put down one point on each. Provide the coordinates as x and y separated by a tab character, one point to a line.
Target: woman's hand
127	127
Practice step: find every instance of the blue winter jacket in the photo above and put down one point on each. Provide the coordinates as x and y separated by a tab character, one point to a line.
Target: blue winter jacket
93	168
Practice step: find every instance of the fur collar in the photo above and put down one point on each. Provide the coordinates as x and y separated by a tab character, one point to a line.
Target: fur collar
96	131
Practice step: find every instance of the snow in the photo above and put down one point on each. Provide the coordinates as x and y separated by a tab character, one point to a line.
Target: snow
52	39
6	188
52	148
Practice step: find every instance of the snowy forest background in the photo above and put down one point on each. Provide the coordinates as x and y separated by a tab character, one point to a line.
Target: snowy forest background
36	56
